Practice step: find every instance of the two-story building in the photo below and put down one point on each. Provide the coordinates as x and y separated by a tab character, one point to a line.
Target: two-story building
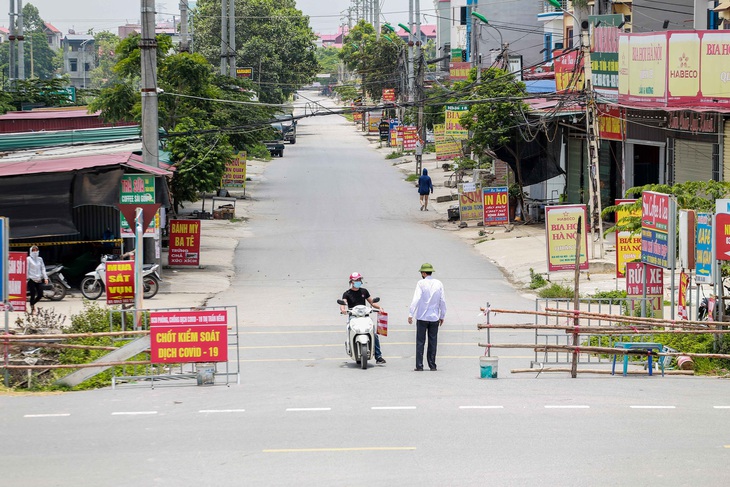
79	58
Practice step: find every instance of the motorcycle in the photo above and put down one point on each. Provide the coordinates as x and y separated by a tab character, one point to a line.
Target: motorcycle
360	333
92	286
57	285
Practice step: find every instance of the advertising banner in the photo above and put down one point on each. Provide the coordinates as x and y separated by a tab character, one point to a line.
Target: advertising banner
628	245
410	136
657	209
604	70
686	242
137	188
3	259
447	148
357	116
373	124
569	76
654	285
388	95
246	72
703	249
715	73
496	205
470	201
643	68
683	66
188	336
611	122
683	308
396	136
561	226
234	175
119	282
722	236
453	127
184	243
459	71
17	284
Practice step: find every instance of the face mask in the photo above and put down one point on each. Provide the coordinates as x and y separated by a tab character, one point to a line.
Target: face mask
357	284
34	254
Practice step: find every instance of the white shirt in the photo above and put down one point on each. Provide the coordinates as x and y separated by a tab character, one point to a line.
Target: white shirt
36	269
419	148
429	300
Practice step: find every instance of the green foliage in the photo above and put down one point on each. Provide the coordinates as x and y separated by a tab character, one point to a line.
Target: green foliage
347	93
412	177
394	155
118	103
536	280
39	92
556	291
272	36
129	54
258	151
103	74
692	343
328	59
614	296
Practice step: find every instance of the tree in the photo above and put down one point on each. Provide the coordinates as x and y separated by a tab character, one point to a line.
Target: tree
106	46
272	36
328	59
32	21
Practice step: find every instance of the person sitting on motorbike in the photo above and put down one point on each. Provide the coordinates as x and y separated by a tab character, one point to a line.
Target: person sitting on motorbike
357	295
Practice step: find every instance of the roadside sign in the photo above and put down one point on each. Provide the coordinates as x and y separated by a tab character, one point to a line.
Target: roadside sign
722	206
388	95
17	280
703	250
657	224
188	336
470	201
119	282
496	205
561	226
654	285
184	243
687	224
137	188
3	259
234	175
244	72
628	245
722	236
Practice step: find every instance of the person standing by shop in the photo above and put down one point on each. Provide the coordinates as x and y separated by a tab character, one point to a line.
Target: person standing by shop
429	308
36	276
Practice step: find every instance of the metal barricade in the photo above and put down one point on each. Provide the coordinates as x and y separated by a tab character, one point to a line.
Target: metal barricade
606	306
225	372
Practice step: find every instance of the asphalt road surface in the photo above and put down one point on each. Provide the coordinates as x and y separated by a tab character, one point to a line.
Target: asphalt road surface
304	414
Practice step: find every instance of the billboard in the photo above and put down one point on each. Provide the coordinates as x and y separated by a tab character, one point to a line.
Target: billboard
184	243
234	175
447	148
628	245
561	225
657	225
188	336
470	201
568	75
703	248
496	205
452	118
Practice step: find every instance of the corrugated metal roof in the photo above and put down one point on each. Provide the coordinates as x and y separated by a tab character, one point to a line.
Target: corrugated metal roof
76	164
46	114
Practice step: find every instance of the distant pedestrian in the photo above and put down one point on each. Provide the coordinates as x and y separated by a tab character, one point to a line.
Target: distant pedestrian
429	308
419	151
36	276
425	187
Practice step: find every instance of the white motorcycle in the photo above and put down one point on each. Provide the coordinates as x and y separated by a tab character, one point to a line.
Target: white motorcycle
360	342
93	284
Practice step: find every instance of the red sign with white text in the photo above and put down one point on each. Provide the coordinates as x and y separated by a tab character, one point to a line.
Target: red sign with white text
722	236
119	282
17	280
655	211
654	285
188	336
388	95
184	243
410	136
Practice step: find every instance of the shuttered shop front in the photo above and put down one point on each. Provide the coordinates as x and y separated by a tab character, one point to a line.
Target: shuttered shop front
693	161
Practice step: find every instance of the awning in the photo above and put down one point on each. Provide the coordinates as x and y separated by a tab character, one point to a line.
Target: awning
70	164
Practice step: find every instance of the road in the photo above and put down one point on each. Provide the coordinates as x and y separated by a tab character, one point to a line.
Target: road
306	415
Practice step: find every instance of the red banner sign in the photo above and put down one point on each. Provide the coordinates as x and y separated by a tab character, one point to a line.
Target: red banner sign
119	282
188	336
722	236
388	95
611	122
184	243
496	205
654	285
459	71
410	136
17	280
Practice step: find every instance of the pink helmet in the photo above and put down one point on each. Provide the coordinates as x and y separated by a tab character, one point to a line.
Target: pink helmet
355	276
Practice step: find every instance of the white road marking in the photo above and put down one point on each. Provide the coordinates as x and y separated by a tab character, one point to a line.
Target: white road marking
652	407
566	406
222	411
481	407
132	413
721	407
49	415
308	409
383	408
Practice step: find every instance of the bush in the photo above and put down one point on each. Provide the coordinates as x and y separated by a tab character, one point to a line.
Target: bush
394	155
536	280
412	177
556	291
258	151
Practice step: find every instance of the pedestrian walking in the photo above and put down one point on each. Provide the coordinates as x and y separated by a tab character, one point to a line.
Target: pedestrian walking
429	309
36	276
425	187
419	151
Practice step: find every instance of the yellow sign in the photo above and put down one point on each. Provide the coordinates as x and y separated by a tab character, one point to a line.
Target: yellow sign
235	172
684	65
561	229
446	147
628	246
642	66
471	206
715	53
453	126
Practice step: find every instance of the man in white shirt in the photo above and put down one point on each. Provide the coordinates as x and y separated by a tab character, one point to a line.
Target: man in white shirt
429	308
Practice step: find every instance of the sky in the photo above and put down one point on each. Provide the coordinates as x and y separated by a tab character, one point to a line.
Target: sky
81	15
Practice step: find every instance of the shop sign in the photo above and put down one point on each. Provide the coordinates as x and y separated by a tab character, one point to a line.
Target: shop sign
388	95
561	227
188	336
17	284
703	249
119	282
496	205
654	285
628	245
184	243
459	71
656	247
234	175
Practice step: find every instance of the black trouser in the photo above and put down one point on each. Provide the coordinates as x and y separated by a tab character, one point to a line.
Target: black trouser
36	291
432	329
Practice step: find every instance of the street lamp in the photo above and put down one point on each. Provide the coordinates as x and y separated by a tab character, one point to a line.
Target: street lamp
484	20
82	48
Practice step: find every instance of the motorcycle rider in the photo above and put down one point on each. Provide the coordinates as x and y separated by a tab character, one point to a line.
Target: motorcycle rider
357	295
36	276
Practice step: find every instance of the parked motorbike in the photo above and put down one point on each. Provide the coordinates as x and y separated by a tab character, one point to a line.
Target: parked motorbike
360	341
92	286
57	282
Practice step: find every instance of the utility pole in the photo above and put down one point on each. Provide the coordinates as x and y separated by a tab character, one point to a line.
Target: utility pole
184	42
20	37
224	50
376	4
421	75
11	39
150	121
411	80
232	38
592	139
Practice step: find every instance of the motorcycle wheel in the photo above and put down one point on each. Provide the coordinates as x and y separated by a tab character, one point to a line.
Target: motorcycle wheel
91	288
364	356
151	286
58	291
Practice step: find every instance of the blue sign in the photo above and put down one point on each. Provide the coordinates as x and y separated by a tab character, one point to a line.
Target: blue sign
703	249
655	248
